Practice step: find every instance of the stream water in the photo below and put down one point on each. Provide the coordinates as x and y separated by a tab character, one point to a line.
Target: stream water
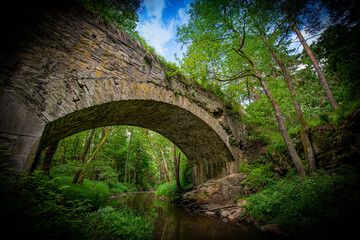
171	221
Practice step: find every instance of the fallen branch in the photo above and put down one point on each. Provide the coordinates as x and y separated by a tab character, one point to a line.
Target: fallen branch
228	206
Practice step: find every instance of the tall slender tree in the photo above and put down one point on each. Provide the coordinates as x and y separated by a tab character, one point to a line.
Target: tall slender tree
177	168
318	70
217	32
128	154
305	131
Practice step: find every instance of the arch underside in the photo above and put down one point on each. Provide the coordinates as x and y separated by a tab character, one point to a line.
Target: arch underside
198	141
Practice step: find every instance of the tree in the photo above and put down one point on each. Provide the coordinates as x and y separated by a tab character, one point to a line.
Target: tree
136	162
318	70
299	12
83	155
80	179
121	12
49	153
87	146
128	154
305	131
216	34
272	38
177	168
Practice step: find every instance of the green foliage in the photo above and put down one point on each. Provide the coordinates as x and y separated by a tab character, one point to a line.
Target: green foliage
277	143
109	176
168	192
120	187
93	191
122	13
36	203
122	223
308	206
171	193
66	169
244	168
260	174
49	207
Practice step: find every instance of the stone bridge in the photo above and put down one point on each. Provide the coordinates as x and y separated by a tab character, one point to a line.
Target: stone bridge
65	70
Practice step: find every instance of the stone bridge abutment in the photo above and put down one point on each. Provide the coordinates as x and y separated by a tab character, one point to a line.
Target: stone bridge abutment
67	70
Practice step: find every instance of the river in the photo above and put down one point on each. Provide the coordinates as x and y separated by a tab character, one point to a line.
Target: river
171	221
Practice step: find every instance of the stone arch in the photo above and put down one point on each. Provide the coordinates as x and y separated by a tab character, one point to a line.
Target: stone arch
59	79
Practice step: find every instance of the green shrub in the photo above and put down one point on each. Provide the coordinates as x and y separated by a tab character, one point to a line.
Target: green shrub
35	203
260	174
171	193
120	187
95	192
109	176
277	143
66	169
307	206
244	168
123	223
53	208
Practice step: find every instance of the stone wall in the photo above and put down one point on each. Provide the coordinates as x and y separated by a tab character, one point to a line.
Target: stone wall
67	70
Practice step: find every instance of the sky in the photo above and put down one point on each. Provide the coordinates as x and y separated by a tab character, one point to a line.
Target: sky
158	22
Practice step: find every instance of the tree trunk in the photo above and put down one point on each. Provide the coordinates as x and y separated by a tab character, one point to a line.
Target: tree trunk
308	150
136	163
165	164
83	155
49	153
128	155
177	169
289	144
74	147
156	157
318	70
82	175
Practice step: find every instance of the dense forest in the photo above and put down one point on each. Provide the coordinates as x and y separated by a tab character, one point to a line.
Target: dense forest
239	50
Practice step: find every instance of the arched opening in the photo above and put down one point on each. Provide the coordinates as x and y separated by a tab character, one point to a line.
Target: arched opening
124	157
199	142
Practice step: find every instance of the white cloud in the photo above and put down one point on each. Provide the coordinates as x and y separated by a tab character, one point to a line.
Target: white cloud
159	33
154	8
183	17
156	33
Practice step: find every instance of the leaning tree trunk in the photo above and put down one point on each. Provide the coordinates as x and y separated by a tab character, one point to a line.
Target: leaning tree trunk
49	153
308	150
82	176
318	70
284	133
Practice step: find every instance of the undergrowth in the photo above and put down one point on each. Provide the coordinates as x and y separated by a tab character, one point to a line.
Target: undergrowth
171	192
48	207
317	205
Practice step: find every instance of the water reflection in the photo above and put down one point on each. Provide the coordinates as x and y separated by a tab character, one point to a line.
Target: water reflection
170	221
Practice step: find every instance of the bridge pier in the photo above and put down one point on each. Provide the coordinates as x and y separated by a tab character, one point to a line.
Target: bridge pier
20	133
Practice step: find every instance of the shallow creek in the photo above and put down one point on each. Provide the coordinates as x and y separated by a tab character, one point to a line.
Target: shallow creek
171	221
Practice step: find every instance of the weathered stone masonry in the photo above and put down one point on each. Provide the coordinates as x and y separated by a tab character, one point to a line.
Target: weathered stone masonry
70	71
